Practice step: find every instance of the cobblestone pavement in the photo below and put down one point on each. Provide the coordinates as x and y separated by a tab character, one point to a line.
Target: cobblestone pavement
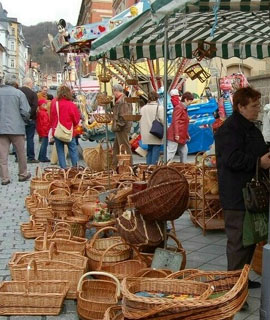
204	252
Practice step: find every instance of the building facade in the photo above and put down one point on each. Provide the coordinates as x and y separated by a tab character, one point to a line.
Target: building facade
14	56
121	5
92	11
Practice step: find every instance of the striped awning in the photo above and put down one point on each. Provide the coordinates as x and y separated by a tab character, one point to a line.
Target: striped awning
240	34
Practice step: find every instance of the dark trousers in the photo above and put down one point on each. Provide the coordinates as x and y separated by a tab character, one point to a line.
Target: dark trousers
43	149
237	254
30	133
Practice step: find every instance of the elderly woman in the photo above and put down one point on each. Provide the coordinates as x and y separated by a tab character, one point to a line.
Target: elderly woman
69	117
149	112
239	143
120	126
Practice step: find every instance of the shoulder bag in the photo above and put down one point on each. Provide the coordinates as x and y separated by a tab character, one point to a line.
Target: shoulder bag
157	128
256	192
61	132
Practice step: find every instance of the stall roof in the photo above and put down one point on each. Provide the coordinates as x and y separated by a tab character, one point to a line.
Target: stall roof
242	33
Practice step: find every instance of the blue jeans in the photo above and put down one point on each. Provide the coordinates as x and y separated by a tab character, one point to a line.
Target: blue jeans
153	154
30	130
43	149
72	150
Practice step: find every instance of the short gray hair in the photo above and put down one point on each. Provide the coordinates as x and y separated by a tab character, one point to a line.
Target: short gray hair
27	81
10	79
118	87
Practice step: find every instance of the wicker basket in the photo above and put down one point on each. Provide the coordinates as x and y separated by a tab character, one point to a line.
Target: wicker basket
132	117
61	203
103	117
114	313
257	258
153	273
132	82
52	265
135	307
132	99
96	158
124	158
95	296
104	100
76	226
124	268
104	78
39	183
31	229
32	297
64	242
96	246
165	201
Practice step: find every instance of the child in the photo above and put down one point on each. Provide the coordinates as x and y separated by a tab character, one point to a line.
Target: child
43	127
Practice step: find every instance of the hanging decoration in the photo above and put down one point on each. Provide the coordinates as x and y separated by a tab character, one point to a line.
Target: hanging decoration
196	71
205	50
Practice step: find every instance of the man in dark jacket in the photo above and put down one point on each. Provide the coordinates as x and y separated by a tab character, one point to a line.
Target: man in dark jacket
30	128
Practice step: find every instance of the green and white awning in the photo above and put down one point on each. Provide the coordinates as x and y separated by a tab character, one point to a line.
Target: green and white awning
240	34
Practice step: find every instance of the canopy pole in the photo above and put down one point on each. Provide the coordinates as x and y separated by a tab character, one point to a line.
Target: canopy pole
265	293
165	87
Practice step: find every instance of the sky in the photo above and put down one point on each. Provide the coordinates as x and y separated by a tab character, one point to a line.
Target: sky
31	12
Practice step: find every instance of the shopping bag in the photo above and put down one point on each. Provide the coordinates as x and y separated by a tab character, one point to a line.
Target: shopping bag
255	228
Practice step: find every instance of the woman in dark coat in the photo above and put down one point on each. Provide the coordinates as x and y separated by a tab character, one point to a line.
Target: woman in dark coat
239	143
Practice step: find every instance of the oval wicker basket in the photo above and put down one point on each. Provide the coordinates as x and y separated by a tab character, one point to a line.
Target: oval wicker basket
132	99
104	78
132	82
103	117
104	100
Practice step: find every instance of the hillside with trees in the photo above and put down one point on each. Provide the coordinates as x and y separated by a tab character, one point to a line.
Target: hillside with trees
37	37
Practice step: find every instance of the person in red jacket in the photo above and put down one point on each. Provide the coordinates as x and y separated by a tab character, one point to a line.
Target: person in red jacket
43	127
69	117
177	134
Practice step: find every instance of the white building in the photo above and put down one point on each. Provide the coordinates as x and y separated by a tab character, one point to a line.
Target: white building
14	57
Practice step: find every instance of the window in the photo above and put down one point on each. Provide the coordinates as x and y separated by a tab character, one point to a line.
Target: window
12	46
12	63
13	31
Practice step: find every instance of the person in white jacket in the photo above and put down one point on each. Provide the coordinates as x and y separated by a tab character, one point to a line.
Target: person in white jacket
148	113
266	124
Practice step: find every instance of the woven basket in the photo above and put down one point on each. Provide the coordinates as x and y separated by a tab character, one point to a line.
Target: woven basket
135	307
125	268
31	229
96	246
76	226
104	100
165	201
104	78
136	230
52	265
153	273
114	313
95	158
124	158
80	183
164	174
132	99
64	242
39	183
103	117
95	296
132	82
257	258
61	203
32	297
132	117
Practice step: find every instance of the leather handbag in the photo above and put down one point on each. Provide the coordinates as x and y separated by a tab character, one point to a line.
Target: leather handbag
157	128
256	192
61	132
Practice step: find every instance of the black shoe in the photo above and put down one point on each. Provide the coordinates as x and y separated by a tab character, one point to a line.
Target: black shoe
4	183
245	307
253	284
32	161
46	160
22	179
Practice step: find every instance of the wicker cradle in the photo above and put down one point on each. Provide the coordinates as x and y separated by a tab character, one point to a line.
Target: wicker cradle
51	265
32	297
95	296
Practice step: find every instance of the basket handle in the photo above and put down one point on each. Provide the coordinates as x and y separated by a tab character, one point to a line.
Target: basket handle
62	225
115	245
31	263
93	240
32	222
180	249
38	172
124	184
89	189
100	273
52	250
184	274
120	149
61	229
62	189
